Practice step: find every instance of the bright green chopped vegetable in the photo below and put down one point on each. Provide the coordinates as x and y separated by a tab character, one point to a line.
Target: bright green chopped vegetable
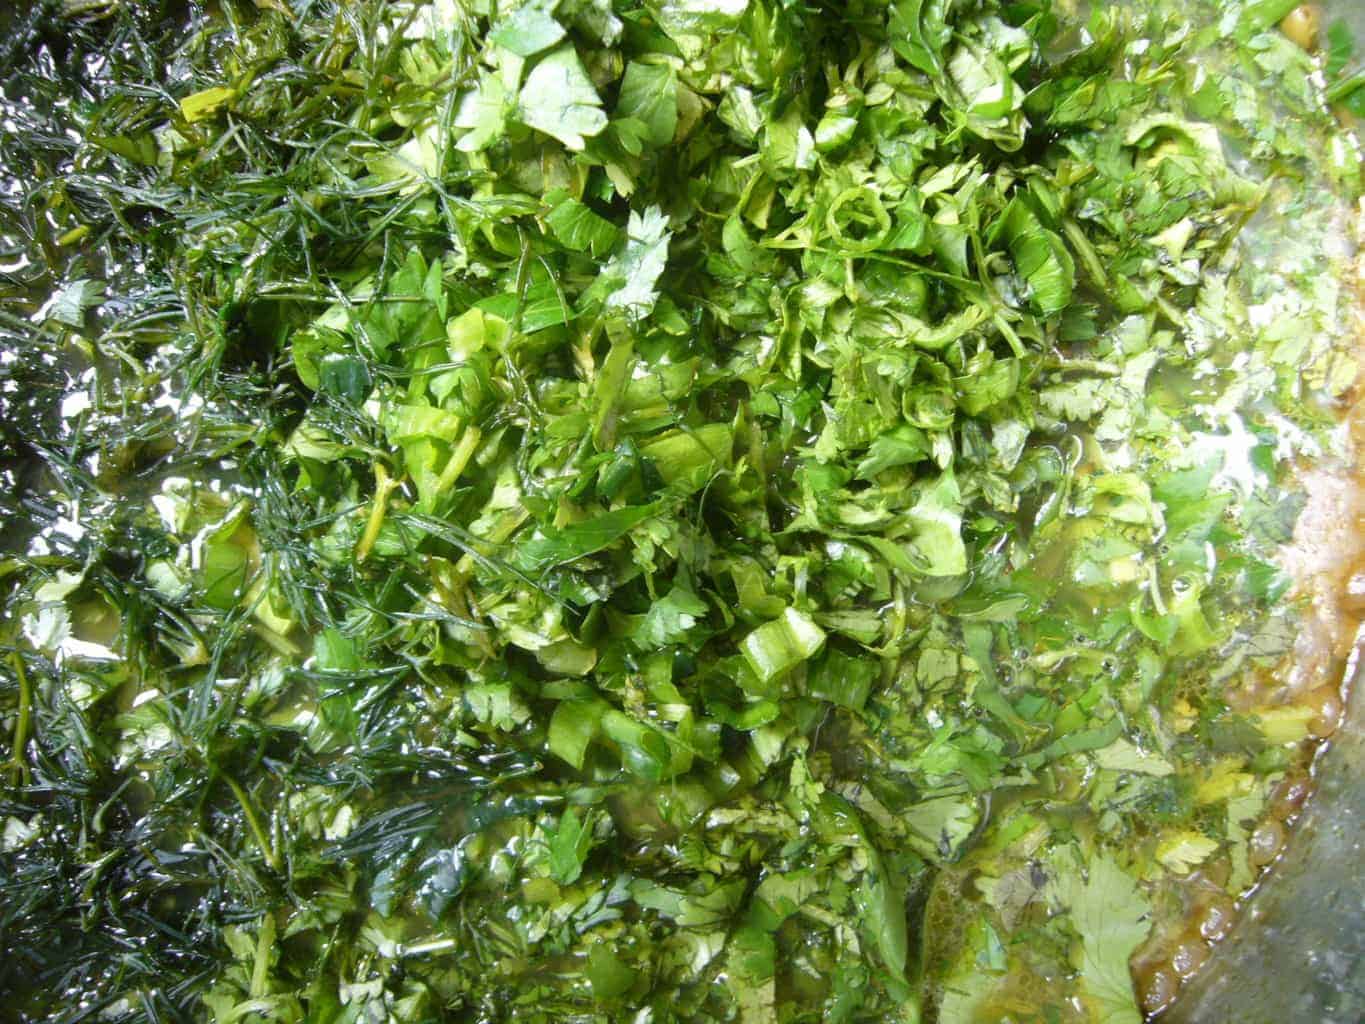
701	510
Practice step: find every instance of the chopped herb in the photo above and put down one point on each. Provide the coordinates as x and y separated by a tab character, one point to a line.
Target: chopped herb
696	510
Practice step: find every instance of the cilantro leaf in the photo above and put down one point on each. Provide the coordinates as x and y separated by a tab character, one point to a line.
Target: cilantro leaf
1112	918
569	844
649	93
528	29
558	99
670	618
628	281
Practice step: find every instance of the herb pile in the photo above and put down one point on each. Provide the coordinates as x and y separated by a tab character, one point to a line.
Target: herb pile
711	510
